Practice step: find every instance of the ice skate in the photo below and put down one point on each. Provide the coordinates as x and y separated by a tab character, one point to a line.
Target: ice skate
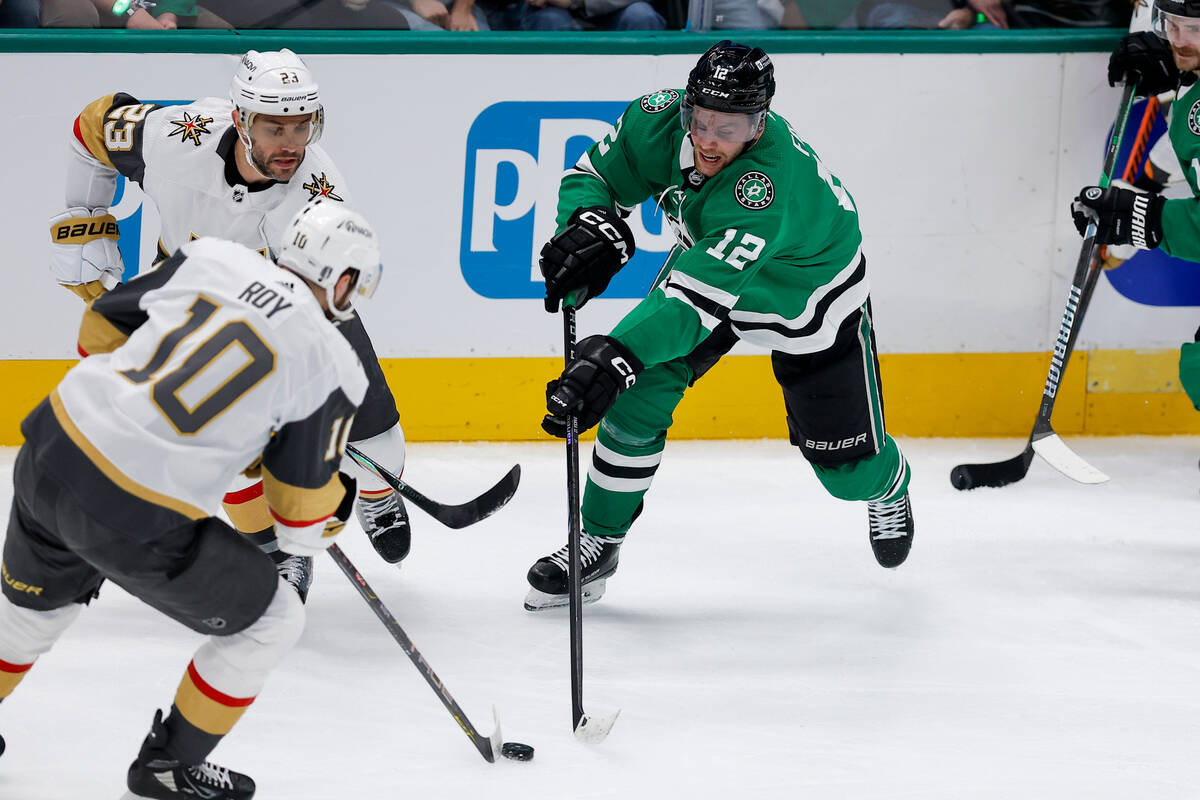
155	775
549	578
891	530
385	521
296	570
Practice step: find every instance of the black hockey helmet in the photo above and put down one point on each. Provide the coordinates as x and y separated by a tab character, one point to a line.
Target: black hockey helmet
1176	20
734	78
1180	8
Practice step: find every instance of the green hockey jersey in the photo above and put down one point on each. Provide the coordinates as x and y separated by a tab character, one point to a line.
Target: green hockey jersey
1181	217
771	243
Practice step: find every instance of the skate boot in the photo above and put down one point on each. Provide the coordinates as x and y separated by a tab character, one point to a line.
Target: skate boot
156	775
891	530
385	521
296	570
549	577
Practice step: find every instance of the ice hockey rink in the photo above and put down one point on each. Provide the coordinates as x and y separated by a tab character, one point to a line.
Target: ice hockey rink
1042	641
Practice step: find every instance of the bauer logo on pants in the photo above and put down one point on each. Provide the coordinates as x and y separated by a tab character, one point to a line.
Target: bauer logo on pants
517	153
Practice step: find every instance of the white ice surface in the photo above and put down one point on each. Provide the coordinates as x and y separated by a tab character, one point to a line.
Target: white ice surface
1043	641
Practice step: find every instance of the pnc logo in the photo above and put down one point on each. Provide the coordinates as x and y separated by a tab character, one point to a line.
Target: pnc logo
516	155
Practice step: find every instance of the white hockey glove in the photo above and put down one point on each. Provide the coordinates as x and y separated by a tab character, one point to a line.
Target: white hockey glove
83	251
312	540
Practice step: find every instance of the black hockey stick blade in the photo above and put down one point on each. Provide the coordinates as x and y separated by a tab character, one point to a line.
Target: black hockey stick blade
452	516
490	747
995	474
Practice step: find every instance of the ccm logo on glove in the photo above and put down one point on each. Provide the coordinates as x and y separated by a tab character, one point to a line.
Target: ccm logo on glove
601	370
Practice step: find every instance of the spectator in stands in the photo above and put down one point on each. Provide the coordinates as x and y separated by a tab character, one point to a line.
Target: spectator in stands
18	13
438	15
572	15
921	14
335	14
164	15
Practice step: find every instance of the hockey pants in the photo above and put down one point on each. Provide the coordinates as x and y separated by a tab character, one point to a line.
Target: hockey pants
834	413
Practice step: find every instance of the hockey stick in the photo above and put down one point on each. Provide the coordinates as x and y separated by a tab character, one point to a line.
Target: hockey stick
459	516
589	729
1043	440
489	747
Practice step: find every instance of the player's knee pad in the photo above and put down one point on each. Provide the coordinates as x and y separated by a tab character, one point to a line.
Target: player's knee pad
1189	371
239	665
26	634
880	476
387	449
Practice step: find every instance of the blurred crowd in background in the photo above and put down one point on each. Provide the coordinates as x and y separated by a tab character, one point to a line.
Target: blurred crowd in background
566	15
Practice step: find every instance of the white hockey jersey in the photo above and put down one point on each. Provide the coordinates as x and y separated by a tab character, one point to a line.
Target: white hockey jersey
196	371
183	158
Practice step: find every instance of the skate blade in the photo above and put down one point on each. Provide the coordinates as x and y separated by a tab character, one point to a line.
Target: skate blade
541	601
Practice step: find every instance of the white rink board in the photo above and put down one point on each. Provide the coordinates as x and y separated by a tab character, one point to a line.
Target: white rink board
962	167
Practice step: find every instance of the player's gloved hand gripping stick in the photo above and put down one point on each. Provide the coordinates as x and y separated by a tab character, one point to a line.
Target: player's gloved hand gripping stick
1043	440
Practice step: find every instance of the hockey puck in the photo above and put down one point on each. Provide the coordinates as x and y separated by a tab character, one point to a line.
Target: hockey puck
517	751
959	478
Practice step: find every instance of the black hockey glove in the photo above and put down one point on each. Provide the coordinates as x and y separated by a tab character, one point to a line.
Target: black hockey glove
585	255
1146	59
601	370
1122	216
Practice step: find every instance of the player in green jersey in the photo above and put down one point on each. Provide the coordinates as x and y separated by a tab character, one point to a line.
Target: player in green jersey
768	251
1165	59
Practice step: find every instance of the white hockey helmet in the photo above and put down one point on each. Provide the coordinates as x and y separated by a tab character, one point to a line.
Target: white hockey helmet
276	82
326	240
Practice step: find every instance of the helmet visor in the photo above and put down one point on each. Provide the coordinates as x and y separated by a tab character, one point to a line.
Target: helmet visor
723	126
1176	29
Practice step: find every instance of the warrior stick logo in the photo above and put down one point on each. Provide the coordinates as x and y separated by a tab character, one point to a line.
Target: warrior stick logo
1057	364
754	190
659	101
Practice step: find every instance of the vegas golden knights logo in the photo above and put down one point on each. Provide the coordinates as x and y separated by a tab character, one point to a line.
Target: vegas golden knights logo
190	128
320	187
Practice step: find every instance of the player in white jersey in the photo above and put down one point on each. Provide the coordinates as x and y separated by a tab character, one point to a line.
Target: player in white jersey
238	169
217	362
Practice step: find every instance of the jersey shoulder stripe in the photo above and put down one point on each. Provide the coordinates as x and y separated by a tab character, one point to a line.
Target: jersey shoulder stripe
112	128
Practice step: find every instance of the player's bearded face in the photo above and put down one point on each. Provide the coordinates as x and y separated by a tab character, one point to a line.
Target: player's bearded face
278	144
1183	33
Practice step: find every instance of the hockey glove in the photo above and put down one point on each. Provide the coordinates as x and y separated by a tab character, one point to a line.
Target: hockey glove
312	540
601	370
1146	59
584	257
83	251
1122	216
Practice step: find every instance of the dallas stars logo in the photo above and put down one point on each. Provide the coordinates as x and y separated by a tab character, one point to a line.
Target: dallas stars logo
320	187
754	190
190	128
658	101
1194	118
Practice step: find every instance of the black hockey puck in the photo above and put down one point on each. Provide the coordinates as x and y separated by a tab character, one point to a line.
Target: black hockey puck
960	479
517	751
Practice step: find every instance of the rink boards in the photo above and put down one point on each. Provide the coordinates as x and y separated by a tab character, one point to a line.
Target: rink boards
962	166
